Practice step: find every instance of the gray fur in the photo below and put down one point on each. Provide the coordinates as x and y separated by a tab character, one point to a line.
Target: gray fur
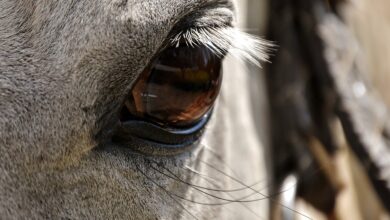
65	68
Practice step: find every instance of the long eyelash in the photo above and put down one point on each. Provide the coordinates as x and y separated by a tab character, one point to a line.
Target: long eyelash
225	40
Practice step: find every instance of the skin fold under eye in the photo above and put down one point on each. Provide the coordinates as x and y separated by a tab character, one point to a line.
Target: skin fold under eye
177	89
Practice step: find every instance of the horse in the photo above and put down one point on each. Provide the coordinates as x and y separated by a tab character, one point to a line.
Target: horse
78	141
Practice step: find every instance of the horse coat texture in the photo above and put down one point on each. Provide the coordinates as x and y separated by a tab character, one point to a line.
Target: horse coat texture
65	69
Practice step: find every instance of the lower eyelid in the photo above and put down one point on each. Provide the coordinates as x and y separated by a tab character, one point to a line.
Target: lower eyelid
150	139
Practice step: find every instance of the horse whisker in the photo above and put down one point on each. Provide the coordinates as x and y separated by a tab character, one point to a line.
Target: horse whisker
166	191
228	190
175	177
228	193
240	200
256	191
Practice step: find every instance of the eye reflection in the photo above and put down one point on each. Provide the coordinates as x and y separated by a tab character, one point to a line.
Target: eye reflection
177	89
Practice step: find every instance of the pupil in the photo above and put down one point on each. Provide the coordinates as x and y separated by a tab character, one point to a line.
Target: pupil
178	88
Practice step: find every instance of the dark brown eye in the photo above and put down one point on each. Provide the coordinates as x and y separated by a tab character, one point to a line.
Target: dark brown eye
177	89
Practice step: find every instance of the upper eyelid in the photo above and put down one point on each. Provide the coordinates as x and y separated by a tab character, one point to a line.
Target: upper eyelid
213	27
207	17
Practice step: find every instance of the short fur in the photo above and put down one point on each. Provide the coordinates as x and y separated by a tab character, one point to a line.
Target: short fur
65	69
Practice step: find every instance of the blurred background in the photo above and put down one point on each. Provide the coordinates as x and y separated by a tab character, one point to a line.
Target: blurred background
327	91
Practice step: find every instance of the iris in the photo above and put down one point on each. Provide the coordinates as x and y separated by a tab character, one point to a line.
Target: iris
177	89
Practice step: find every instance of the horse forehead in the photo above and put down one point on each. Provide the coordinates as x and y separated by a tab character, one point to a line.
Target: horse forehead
69	24
153	11
141	13
162	10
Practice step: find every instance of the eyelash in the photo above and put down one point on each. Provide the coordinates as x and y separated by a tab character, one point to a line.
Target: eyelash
226	40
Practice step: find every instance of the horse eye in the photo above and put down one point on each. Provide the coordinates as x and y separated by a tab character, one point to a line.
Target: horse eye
178	89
